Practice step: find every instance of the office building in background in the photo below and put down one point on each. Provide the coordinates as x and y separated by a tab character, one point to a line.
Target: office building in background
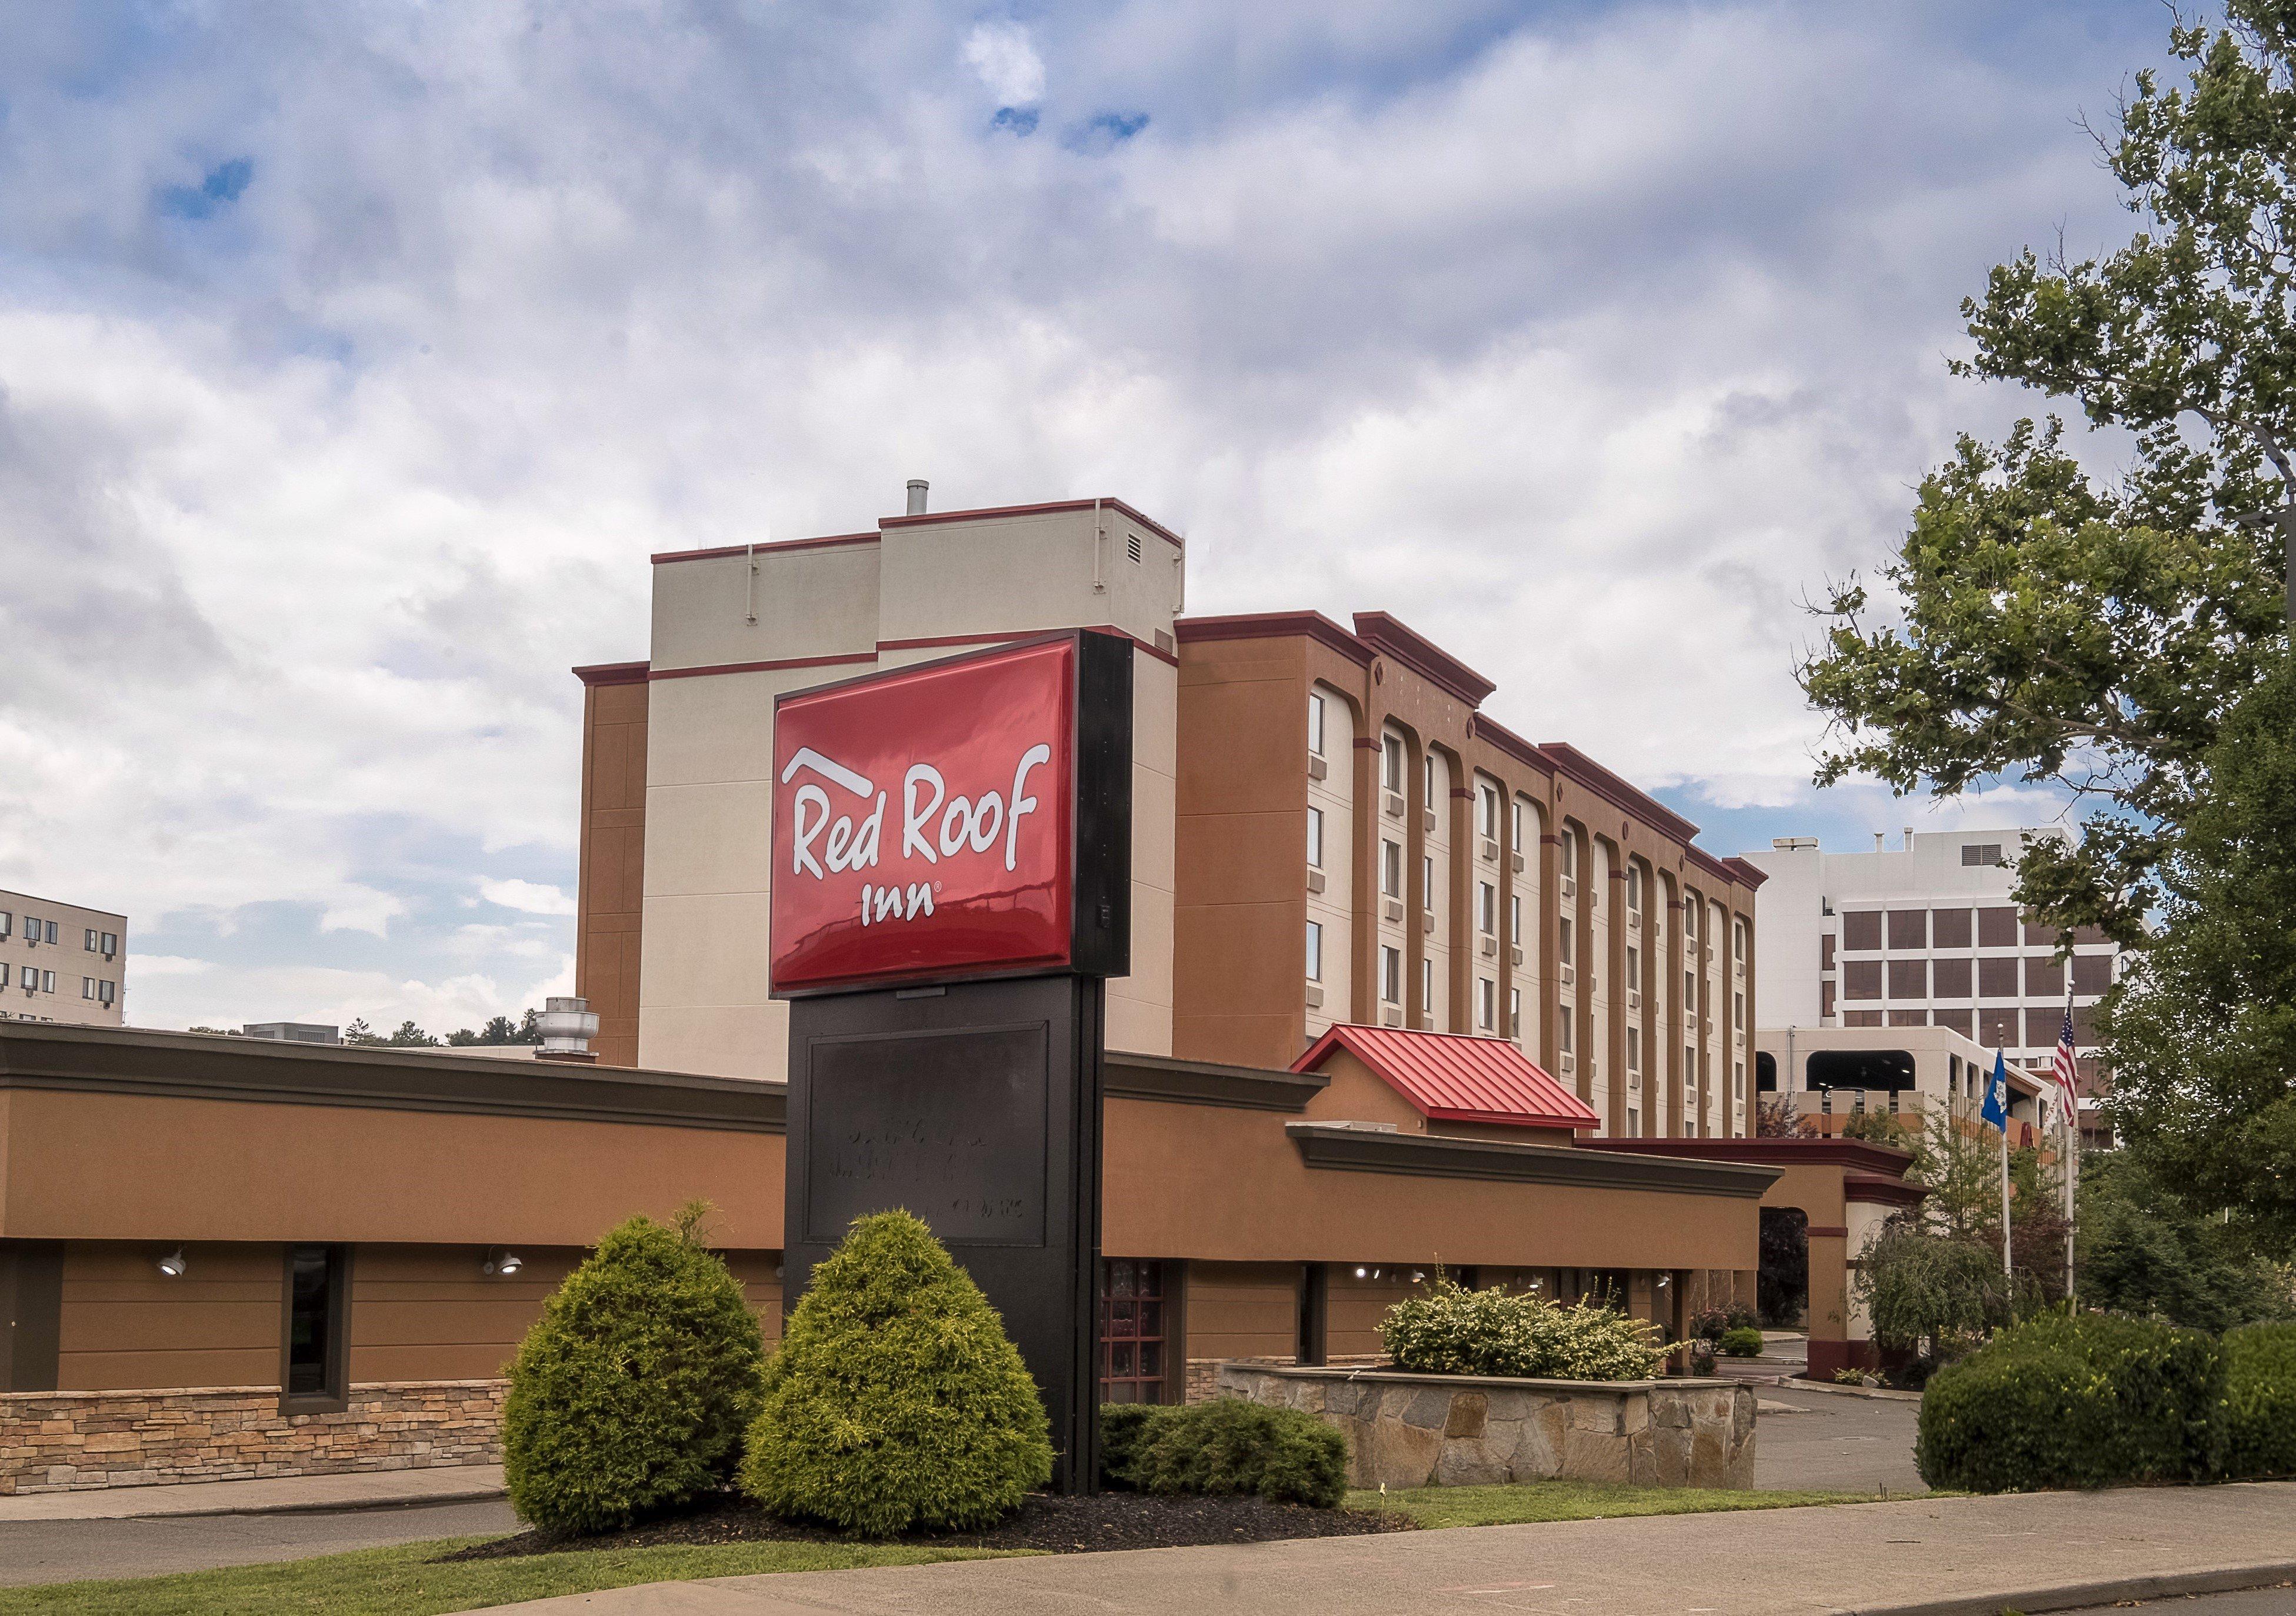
61	962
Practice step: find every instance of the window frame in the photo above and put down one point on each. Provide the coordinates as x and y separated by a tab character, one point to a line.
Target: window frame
1314	946
333	1396
1315	837
1315	723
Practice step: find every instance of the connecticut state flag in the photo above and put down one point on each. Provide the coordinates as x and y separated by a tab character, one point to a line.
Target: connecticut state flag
1996	1094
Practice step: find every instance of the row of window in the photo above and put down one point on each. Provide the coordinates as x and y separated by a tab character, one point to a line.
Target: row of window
31	979
1992	979
38	930
2005	1028
1862	931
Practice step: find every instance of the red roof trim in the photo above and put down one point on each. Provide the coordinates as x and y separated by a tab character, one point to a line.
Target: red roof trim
695	672
766	549
1385	632
1048	507
1274	625
1609	786
612	672
1001	639
1498	737
1453	1077
1751	874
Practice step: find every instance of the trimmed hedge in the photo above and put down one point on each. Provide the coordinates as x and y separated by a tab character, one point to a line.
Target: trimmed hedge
896	1401
1450	1330
2084	1401
1227	1445
630	1392
1742	1343
2260	1401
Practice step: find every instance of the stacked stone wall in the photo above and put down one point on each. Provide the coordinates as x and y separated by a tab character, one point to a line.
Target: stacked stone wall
62	1442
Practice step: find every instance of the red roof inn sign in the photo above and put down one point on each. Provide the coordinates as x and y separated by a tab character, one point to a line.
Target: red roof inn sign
959	819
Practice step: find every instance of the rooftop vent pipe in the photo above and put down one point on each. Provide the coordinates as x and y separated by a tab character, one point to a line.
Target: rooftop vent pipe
918	486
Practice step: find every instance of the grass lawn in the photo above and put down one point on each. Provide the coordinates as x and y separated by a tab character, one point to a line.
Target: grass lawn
399	1582
1575	1501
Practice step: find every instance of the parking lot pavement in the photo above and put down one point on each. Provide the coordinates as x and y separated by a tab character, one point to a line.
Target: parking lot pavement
66	1551
1831	1440
2278	1601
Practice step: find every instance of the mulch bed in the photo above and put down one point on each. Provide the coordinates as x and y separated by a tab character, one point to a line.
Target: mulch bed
1053	1524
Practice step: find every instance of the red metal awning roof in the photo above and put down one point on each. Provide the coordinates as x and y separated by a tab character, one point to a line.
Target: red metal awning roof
1451	1077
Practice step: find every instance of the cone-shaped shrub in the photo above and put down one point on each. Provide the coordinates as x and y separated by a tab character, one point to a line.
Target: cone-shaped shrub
896	1400
631	1391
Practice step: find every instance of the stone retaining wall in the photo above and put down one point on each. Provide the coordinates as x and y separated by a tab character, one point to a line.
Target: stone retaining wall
62	1442
1462	1430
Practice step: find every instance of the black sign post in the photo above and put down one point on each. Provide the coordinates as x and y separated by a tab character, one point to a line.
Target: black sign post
976	1103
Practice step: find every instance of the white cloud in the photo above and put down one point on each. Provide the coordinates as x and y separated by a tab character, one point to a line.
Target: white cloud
1005	59
532	898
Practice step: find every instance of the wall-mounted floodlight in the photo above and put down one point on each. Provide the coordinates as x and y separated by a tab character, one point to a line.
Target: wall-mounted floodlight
173	1264
501	1263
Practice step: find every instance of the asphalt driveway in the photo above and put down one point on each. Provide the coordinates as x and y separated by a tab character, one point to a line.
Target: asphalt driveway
1832	1439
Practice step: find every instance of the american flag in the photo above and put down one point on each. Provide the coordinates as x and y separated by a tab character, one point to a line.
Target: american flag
2067	1071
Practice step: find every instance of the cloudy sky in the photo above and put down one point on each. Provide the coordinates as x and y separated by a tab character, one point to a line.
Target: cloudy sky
353	357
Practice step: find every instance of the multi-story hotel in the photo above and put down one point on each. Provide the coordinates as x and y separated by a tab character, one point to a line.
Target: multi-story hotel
1923	935
60	962
1327	826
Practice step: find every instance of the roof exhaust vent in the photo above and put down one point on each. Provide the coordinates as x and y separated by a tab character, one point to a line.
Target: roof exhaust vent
918	486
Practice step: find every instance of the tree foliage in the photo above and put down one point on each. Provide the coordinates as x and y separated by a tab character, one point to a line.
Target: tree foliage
2057	628
2204	1026
2142	1251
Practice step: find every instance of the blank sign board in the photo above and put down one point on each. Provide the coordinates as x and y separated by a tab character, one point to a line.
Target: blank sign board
949	1124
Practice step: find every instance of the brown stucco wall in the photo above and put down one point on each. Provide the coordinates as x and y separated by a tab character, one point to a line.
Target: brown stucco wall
609	897
98	1166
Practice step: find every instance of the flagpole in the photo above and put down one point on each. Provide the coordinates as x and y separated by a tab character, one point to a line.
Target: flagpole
2007	1266
2071	1165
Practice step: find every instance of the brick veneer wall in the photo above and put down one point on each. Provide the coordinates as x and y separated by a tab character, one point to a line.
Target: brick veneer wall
62	1442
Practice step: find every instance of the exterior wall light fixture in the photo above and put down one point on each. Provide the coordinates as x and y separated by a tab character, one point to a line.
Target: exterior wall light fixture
173	1264
501	1263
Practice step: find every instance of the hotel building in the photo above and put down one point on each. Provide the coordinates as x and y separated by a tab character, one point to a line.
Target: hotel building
62	963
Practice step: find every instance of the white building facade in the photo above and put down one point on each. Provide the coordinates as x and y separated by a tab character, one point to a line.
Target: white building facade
1924	934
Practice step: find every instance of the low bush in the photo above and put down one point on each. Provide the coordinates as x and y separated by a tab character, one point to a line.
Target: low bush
1226	1446
1712	1324
1701	1356
2260	1401
1742	1343
896	1400
2075	1401
630	1392
1449	1330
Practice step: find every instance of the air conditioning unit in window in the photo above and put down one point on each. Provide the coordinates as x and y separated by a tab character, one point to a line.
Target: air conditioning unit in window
1393	803
1317	769
1390	1016
1427	820
1315	880
1516	860
1426	920
1390	909
1314	997
1489	849
1570	1061
1570	886
1634	920
1490	945
1634	1000
1569	976
1518	954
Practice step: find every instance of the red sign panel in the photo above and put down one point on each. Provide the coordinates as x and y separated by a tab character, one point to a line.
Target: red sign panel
923	822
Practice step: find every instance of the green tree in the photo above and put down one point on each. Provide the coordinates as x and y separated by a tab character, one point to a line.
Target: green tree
529	1027
359	1032
498	1029
411	1037
2142	1251
2203	1028
2097	635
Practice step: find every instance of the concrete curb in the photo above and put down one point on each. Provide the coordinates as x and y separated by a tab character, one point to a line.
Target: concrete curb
1795	1383
476	1495
2083	1596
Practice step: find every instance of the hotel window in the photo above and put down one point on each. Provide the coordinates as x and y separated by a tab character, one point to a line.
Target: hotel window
1390	868
3	974
1315	839
1690	920
1633	1123
1514	918
1738	939
1861	930
1132	1330
1514	1013
1740	1081
1567	1021
1315	951
111	944
1426	986
89	946
1390	762
1489	912
1634	890
1562	938
1571	855
87	988
1633	970
1997	978
1427	768
1316	724
1980	854
1391	975
1825	998
2045	979
1738	1011
1521	840
1487	810
1996	927
48	982
316	1350
1949	979
1427	879
1634	1049
1826	952
1487	994
105	993
5	918
1689	1065
2092	973
1690	992
1861	979
1909	979
1909	928
1950	928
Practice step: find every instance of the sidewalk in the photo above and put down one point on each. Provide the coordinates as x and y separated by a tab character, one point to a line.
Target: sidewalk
1932	1557
277	1495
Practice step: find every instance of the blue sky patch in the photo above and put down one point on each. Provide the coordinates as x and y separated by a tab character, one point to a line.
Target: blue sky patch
222	187
1021	120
